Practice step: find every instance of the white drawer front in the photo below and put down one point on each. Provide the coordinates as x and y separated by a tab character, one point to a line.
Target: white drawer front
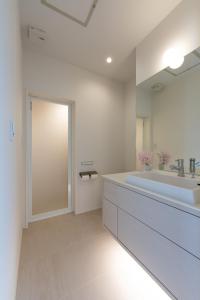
110	216
111	192
179	226
178	270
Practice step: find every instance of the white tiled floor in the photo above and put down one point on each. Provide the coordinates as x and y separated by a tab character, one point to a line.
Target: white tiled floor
74	258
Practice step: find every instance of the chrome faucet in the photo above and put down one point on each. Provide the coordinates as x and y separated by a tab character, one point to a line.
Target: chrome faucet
192	167
179	167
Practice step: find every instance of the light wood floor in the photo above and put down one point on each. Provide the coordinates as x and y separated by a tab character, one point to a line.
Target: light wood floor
73	258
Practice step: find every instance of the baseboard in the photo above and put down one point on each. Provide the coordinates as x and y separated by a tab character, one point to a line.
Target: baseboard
50	214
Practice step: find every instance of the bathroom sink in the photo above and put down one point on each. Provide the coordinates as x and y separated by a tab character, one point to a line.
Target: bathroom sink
167	184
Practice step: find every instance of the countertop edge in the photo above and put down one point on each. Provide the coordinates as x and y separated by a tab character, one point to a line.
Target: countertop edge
193	210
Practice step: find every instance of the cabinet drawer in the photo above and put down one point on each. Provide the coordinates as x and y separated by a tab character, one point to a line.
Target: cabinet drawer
110	216
178	226
111	192
178	270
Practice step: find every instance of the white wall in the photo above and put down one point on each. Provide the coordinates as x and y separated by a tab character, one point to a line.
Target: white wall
143	106
11	166
99	118
175	118
49	156
181	29
130	124
143	111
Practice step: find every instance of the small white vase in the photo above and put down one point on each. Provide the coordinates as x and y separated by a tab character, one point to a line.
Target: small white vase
147	167
161	167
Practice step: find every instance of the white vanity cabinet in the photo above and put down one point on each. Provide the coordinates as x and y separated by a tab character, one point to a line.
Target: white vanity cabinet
110	216
164	239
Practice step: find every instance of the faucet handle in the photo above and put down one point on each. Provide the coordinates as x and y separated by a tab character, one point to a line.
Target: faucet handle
192	166
180	162
193	160
180	168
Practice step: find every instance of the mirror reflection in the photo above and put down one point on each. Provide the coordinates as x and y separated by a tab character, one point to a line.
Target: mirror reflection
168	115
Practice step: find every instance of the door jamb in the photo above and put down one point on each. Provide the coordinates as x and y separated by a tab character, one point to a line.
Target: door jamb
71	110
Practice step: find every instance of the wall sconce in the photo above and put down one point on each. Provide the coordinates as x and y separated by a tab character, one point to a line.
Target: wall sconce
173	58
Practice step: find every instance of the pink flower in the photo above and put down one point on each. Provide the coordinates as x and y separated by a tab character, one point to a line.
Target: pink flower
164	158
145	157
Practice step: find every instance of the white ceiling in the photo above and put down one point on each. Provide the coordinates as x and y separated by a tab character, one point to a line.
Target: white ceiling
77	10
115	28
73	7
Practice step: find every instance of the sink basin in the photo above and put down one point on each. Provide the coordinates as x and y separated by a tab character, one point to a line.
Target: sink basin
167	184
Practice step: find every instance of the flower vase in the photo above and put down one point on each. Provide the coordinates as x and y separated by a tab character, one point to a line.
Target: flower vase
147	167
161	167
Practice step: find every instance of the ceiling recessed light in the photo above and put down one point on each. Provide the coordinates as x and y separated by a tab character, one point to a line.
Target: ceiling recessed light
109	60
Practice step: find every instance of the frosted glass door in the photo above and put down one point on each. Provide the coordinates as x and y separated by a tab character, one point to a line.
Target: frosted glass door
49	156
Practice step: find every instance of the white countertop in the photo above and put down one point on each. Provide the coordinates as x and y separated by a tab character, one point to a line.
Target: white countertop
119	179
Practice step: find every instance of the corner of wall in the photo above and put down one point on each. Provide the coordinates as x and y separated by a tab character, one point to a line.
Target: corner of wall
130	124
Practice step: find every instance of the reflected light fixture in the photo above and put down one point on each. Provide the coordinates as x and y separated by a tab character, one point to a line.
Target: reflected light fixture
109	60
173	58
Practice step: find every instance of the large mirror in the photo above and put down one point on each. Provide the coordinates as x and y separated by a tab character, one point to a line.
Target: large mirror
168	113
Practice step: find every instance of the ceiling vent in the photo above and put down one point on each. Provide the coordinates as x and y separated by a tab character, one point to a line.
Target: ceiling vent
36	34
78	11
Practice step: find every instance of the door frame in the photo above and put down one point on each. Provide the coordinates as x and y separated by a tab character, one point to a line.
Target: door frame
29	218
